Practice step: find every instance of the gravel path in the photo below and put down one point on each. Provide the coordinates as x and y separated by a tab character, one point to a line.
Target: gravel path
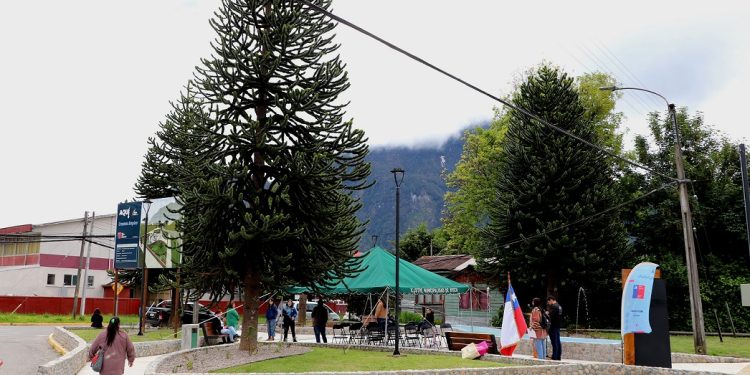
226	356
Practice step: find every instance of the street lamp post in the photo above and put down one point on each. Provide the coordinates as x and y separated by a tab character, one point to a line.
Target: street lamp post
147	204
398	177
699	334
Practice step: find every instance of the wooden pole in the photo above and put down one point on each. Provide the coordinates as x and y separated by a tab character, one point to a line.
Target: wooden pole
80	264
117	281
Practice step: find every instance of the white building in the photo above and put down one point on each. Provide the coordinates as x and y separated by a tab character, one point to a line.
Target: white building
36	260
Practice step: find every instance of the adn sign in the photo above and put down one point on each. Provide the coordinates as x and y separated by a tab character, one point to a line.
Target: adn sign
127	236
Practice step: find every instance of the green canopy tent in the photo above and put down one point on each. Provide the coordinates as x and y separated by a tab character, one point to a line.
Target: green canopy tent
377	272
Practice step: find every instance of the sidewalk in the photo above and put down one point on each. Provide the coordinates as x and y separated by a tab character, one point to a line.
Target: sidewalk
139	366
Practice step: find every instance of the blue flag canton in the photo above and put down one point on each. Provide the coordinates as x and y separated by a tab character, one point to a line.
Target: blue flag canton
511	297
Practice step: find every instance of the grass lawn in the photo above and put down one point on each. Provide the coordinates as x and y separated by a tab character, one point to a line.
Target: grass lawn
325	360
732	346
89	335
57	319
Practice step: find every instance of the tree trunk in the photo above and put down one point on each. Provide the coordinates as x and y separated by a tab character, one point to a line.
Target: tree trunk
302	307
249	336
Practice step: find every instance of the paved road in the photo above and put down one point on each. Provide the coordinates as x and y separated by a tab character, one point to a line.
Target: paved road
24	348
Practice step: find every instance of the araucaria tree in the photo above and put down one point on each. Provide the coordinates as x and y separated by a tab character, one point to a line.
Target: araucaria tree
542	223
270	201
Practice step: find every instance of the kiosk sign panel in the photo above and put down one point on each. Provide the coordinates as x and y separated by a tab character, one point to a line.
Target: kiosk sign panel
127	238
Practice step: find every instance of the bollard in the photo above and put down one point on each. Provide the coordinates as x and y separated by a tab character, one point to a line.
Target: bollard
190	337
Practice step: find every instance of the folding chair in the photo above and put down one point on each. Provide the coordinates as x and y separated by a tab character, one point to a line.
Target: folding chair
356	333
375	334
339	334
445	327
411	334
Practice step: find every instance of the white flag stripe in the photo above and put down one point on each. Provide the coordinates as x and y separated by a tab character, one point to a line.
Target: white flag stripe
508	331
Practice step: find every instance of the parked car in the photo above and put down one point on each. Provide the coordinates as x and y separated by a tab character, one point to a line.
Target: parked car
332	315
159	314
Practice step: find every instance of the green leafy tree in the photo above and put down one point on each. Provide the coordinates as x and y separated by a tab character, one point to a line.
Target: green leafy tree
540	225
419	242
712	164
472	182
267	197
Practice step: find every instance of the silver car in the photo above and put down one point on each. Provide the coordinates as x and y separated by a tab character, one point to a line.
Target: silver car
332	315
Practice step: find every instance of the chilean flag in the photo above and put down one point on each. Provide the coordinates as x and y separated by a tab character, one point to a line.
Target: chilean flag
514	325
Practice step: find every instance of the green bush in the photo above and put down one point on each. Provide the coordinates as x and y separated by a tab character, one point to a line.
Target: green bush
497	319
408	316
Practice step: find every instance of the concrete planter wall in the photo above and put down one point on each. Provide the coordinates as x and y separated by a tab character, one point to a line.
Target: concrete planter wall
77	355
525	366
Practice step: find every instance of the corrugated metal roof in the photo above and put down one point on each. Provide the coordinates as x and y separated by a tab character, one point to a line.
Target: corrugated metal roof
445	262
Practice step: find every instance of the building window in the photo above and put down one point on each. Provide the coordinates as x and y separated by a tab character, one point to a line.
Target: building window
70	280
429	299
90	281
50	279
19	250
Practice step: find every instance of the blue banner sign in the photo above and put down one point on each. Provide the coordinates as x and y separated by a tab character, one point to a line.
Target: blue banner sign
127	238
636	299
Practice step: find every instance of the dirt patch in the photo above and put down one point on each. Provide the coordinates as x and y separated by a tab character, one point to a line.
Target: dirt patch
225	356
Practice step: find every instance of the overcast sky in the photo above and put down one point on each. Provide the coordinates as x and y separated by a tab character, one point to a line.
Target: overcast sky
85	83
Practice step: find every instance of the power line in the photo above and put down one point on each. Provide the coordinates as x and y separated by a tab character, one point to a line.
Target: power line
546	232
72	236
477	89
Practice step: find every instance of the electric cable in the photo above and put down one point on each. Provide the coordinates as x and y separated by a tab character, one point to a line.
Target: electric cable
477	89
546	232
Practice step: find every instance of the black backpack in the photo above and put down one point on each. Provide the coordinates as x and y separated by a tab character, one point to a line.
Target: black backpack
544	320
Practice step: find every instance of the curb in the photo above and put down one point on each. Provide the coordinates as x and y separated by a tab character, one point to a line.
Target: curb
45	324
55	345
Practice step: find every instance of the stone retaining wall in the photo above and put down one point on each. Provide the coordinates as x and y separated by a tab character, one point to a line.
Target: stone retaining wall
611	353
72	361
525	366
697	358
77	355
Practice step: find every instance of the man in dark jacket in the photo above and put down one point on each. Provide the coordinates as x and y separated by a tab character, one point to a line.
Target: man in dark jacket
555	317
320	318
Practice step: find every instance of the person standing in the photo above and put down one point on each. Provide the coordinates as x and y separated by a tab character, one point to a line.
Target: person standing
117	347
430	316
97	319
320	318
271	314
555	321
233	318
540	341
380	312
289	314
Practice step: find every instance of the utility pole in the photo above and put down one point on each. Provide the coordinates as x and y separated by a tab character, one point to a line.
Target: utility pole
117	282
696	304
88	263
745	190
80	263
699	333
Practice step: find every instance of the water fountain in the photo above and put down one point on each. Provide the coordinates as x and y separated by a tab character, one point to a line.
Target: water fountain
586	304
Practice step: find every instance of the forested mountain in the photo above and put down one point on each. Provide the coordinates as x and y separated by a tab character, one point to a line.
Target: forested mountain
421	193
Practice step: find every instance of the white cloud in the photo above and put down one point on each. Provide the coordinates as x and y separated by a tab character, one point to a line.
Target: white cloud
85	83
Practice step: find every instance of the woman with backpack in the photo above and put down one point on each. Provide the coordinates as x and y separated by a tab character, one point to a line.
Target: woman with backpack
539	322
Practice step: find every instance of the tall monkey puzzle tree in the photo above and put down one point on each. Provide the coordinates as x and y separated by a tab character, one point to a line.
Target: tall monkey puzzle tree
270	200
548	186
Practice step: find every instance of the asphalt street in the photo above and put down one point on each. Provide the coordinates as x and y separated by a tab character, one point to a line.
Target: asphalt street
24	348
